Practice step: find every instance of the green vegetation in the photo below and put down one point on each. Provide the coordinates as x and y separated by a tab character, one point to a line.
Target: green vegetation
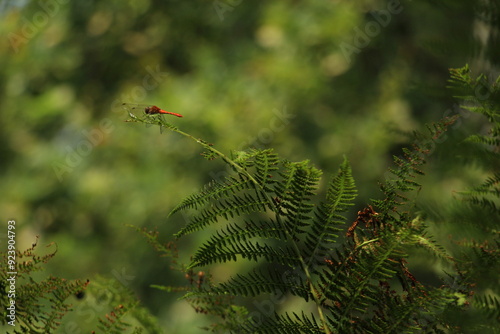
262	86
358	284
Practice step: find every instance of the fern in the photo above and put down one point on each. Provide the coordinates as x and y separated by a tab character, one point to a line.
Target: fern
39	305
482	97
270	282
480	259
353	277
266	212
329	220
486	195
42	306
284	324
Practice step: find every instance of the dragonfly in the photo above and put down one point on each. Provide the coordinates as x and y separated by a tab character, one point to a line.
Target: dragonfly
147	109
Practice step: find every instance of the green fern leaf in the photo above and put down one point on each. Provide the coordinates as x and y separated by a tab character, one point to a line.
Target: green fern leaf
340	196
256	283
213	191
226	208
284	324
246	249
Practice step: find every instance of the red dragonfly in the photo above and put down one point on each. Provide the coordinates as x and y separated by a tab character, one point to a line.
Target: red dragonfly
148	109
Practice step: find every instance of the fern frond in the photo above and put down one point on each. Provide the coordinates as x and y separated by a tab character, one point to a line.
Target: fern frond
213	191
361	270
256	283
488	204
489	304
358	284
120	309
265	167
113	321
328	219
294	191
237	195
408	168
39	305
284	324
483	95
226	208
486	140
405	315
247	250
233	233
486	195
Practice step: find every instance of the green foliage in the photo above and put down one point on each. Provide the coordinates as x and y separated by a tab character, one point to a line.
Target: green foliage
39	304
124	312
266	213
69	64
481	258
482	97
74	173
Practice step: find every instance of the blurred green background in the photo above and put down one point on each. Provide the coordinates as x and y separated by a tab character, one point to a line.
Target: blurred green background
312	79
